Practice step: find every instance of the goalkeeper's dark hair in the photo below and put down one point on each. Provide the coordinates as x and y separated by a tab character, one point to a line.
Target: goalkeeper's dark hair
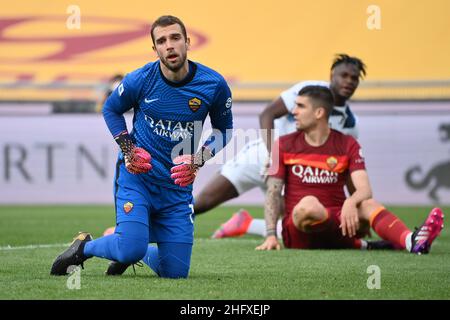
321	97
345	58
116	77
165	21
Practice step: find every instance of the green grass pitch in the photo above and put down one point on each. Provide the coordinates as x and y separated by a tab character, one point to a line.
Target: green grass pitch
220	269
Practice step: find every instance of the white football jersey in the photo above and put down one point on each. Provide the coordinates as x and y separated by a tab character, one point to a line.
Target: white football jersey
342	118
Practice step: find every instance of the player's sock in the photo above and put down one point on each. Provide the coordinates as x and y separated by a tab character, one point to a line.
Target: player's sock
258	227
408	242
127	245
389	227
169	260
151	258
279	229
363	244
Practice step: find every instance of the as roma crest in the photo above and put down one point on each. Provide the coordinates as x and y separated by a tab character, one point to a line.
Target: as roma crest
332	162
127	207
195	104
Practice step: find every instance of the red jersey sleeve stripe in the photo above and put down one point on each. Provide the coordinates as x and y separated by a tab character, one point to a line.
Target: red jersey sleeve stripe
322	161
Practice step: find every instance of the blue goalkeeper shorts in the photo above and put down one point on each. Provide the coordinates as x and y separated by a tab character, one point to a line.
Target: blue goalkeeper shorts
169	213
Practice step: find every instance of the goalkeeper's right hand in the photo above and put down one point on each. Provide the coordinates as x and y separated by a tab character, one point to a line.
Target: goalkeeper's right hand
137	160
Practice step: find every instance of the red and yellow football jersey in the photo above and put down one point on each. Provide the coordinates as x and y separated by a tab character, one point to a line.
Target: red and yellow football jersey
318	171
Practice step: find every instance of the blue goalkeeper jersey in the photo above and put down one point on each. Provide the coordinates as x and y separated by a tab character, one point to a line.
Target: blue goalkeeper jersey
169	116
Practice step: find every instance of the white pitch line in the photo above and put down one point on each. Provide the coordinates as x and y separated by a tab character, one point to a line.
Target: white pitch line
60	245
229	240
34	246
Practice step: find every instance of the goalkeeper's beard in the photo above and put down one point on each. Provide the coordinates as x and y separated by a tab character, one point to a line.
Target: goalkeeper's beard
175	68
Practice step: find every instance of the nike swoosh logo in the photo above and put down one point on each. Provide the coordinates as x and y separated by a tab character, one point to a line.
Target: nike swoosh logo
150	100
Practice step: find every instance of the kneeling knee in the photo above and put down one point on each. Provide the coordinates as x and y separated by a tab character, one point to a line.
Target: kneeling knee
172	267
175	274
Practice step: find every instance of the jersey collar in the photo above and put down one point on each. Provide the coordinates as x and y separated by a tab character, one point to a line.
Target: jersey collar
186	80
339	110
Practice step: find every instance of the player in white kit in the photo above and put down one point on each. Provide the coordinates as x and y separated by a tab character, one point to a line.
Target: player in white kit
245	174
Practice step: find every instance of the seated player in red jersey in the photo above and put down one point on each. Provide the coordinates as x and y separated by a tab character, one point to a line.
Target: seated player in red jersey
313	165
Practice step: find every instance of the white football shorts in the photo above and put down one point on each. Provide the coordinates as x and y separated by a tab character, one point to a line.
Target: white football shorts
245	171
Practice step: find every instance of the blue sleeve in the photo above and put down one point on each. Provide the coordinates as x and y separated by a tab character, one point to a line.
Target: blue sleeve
122	99
221	119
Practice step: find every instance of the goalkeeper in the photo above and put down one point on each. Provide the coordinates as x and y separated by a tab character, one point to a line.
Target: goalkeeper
157	164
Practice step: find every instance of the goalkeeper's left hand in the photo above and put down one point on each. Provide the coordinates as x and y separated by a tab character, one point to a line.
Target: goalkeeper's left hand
187	166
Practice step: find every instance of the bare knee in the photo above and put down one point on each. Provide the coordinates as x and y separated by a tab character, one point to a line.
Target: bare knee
307	211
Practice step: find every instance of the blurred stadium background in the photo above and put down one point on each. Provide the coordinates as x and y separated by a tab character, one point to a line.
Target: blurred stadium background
55	147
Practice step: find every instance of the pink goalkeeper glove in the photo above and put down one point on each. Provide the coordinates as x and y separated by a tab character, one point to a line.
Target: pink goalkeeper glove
187	166
184	171
137	160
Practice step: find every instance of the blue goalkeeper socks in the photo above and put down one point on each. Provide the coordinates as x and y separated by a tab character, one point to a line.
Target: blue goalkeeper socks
127	245
151	258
